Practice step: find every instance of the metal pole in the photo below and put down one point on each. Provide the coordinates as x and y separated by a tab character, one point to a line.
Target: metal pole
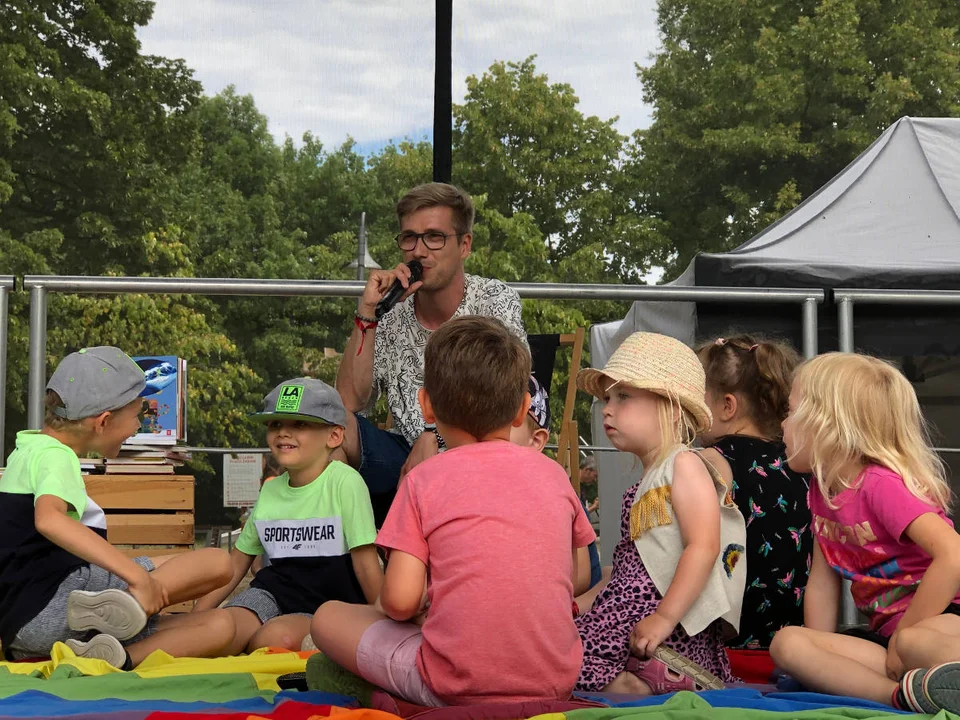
443	94
849	617
37	360
845	323
362	245
4	314
809	327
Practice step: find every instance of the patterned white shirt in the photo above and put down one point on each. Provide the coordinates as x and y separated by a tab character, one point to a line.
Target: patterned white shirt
401	339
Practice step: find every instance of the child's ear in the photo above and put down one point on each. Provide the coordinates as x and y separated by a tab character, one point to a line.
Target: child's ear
99	423
335	438
730	406
540	438
521	416
426	407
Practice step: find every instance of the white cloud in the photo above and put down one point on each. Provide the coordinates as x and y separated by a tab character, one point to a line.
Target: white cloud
365	68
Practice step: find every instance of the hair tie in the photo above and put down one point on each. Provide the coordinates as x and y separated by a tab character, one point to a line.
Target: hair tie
720	342
753	347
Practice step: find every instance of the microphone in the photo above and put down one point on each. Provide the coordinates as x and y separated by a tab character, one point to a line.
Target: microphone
397	290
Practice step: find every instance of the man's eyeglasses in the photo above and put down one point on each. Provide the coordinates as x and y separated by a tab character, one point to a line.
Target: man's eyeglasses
432	239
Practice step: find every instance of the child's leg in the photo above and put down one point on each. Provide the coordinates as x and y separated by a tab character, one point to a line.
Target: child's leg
367	643
202	634
246	624
930	642
833	663
337	628
193	574
286	631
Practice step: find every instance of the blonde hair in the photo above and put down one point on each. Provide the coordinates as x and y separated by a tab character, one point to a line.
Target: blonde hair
678	428
856	410
51	403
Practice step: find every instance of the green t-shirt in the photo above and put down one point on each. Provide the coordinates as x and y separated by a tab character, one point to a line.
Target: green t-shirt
307	534
42	465
32	567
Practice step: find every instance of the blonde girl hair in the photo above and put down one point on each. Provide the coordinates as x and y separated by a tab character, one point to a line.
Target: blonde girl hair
856	410
678	428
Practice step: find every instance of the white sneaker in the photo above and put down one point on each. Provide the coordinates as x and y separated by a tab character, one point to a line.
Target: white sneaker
111	611
100	647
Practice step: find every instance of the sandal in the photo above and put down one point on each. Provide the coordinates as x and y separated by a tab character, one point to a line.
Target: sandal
669	671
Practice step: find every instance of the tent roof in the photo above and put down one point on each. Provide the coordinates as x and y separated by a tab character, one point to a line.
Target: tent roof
893	214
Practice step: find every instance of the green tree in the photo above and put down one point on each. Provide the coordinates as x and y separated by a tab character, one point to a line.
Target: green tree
758	104
525	144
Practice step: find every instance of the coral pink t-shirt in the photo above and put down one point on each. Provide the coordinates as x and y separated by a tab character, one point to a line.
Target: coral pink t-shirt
496	525
863	539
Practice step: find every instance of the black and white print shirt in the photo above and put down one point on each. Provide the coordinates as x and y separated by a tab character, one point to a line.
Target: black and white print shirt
401	339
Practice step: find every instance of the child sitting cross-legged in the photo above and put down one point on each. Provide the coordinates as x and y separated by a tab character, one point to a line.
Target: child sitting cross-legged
313	523
491	527
60	580
677	583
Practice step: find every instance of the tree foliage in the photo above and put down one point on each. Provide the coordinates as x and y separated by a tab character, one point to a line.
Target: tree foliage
758	104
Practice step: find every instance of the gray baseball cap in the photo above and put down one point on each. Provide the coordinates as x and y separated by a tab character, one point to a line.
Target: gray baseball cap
94	380
303	399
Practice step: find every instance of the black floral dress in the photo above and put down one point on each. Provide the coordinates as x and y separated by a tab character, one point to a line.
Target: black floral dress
773	501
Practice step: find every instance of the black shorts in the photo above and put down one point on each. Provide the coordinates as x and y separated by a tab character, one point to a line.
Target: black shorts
875	637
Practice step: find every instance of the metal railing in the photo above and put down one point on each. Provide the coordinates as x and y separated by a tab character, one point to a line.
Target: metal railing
40	286
7	283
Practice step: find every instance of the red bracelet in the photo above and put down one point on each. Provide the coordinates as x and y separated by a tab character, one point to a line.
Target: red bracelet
576	609
363	325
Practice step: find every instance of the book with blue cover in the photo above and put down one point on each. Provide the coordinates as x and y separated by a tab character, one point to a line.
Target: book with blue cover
163	417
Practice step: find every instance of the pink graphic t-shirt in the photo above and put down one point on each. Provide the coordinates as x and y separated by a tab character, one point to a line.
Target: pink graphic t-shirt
496	525
863	539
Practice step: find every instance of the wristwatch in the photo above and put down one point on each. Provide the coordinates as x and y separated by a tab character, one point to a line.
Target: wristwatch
441	445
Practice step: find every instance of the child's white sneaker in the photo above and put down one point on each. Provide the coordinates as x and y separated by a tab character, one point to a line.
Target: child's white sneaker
111	611
101	647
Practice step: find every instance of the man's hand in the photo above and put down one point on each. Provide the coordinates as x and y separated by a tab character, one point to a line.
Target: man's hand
593	506
649	634
151	595
424	447
379	282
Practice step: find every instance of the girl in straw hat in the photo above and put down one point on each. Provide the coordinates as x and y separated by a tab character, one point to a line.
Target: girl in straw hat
676	585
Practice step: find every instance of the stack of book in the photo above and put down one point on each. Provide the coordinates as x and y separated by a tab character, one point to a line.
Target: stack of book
146	459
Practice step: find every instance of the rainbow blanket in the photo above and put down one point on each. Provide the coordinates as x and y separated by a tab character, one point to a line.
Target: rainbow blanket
245	688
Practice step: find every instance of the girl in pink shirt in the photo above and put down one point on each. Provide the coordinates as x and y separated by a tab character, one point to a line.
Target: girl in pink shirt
878	502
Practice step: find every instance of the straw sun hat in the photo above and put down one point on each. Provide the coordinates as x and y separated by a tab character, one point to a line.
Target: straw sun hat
658	363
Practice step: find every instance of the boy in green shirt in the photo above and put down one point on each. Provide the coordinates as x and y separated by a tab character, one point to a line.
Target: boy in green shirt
314	524
60	580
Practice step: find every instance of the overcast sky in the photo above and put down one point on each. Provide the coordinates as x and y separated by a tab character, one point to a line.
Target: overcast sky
364	68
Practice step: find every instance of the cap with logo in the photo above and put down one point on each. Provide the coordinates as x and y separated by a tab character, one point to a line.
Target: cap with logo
539	403
96	380
304	399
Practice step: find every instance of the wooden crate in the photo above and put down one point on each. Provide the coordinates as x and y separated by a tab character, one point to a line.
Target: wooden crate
147	514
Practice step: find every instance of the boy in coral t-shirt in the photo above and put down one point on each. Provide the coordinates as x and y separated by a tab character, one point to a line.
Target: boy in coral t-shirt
491	525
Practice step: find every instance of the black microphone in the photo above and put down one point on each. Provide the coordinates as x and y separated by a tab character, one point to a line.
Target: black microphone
397	290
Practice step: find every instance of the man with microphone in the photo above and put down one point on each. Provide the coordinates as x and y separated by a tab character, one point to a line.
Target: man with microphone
385	350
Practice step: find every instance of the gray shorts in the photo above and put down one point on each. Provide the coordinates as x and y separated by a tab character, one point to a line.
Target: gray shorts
36	638
261	603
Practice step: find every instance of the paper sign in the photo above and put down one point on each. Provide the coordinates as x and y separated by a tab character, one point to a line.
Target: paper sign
241	479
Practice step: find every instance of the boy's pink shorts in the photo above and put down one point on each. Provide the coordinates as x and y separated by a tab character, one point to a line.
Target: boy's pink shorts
387	657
